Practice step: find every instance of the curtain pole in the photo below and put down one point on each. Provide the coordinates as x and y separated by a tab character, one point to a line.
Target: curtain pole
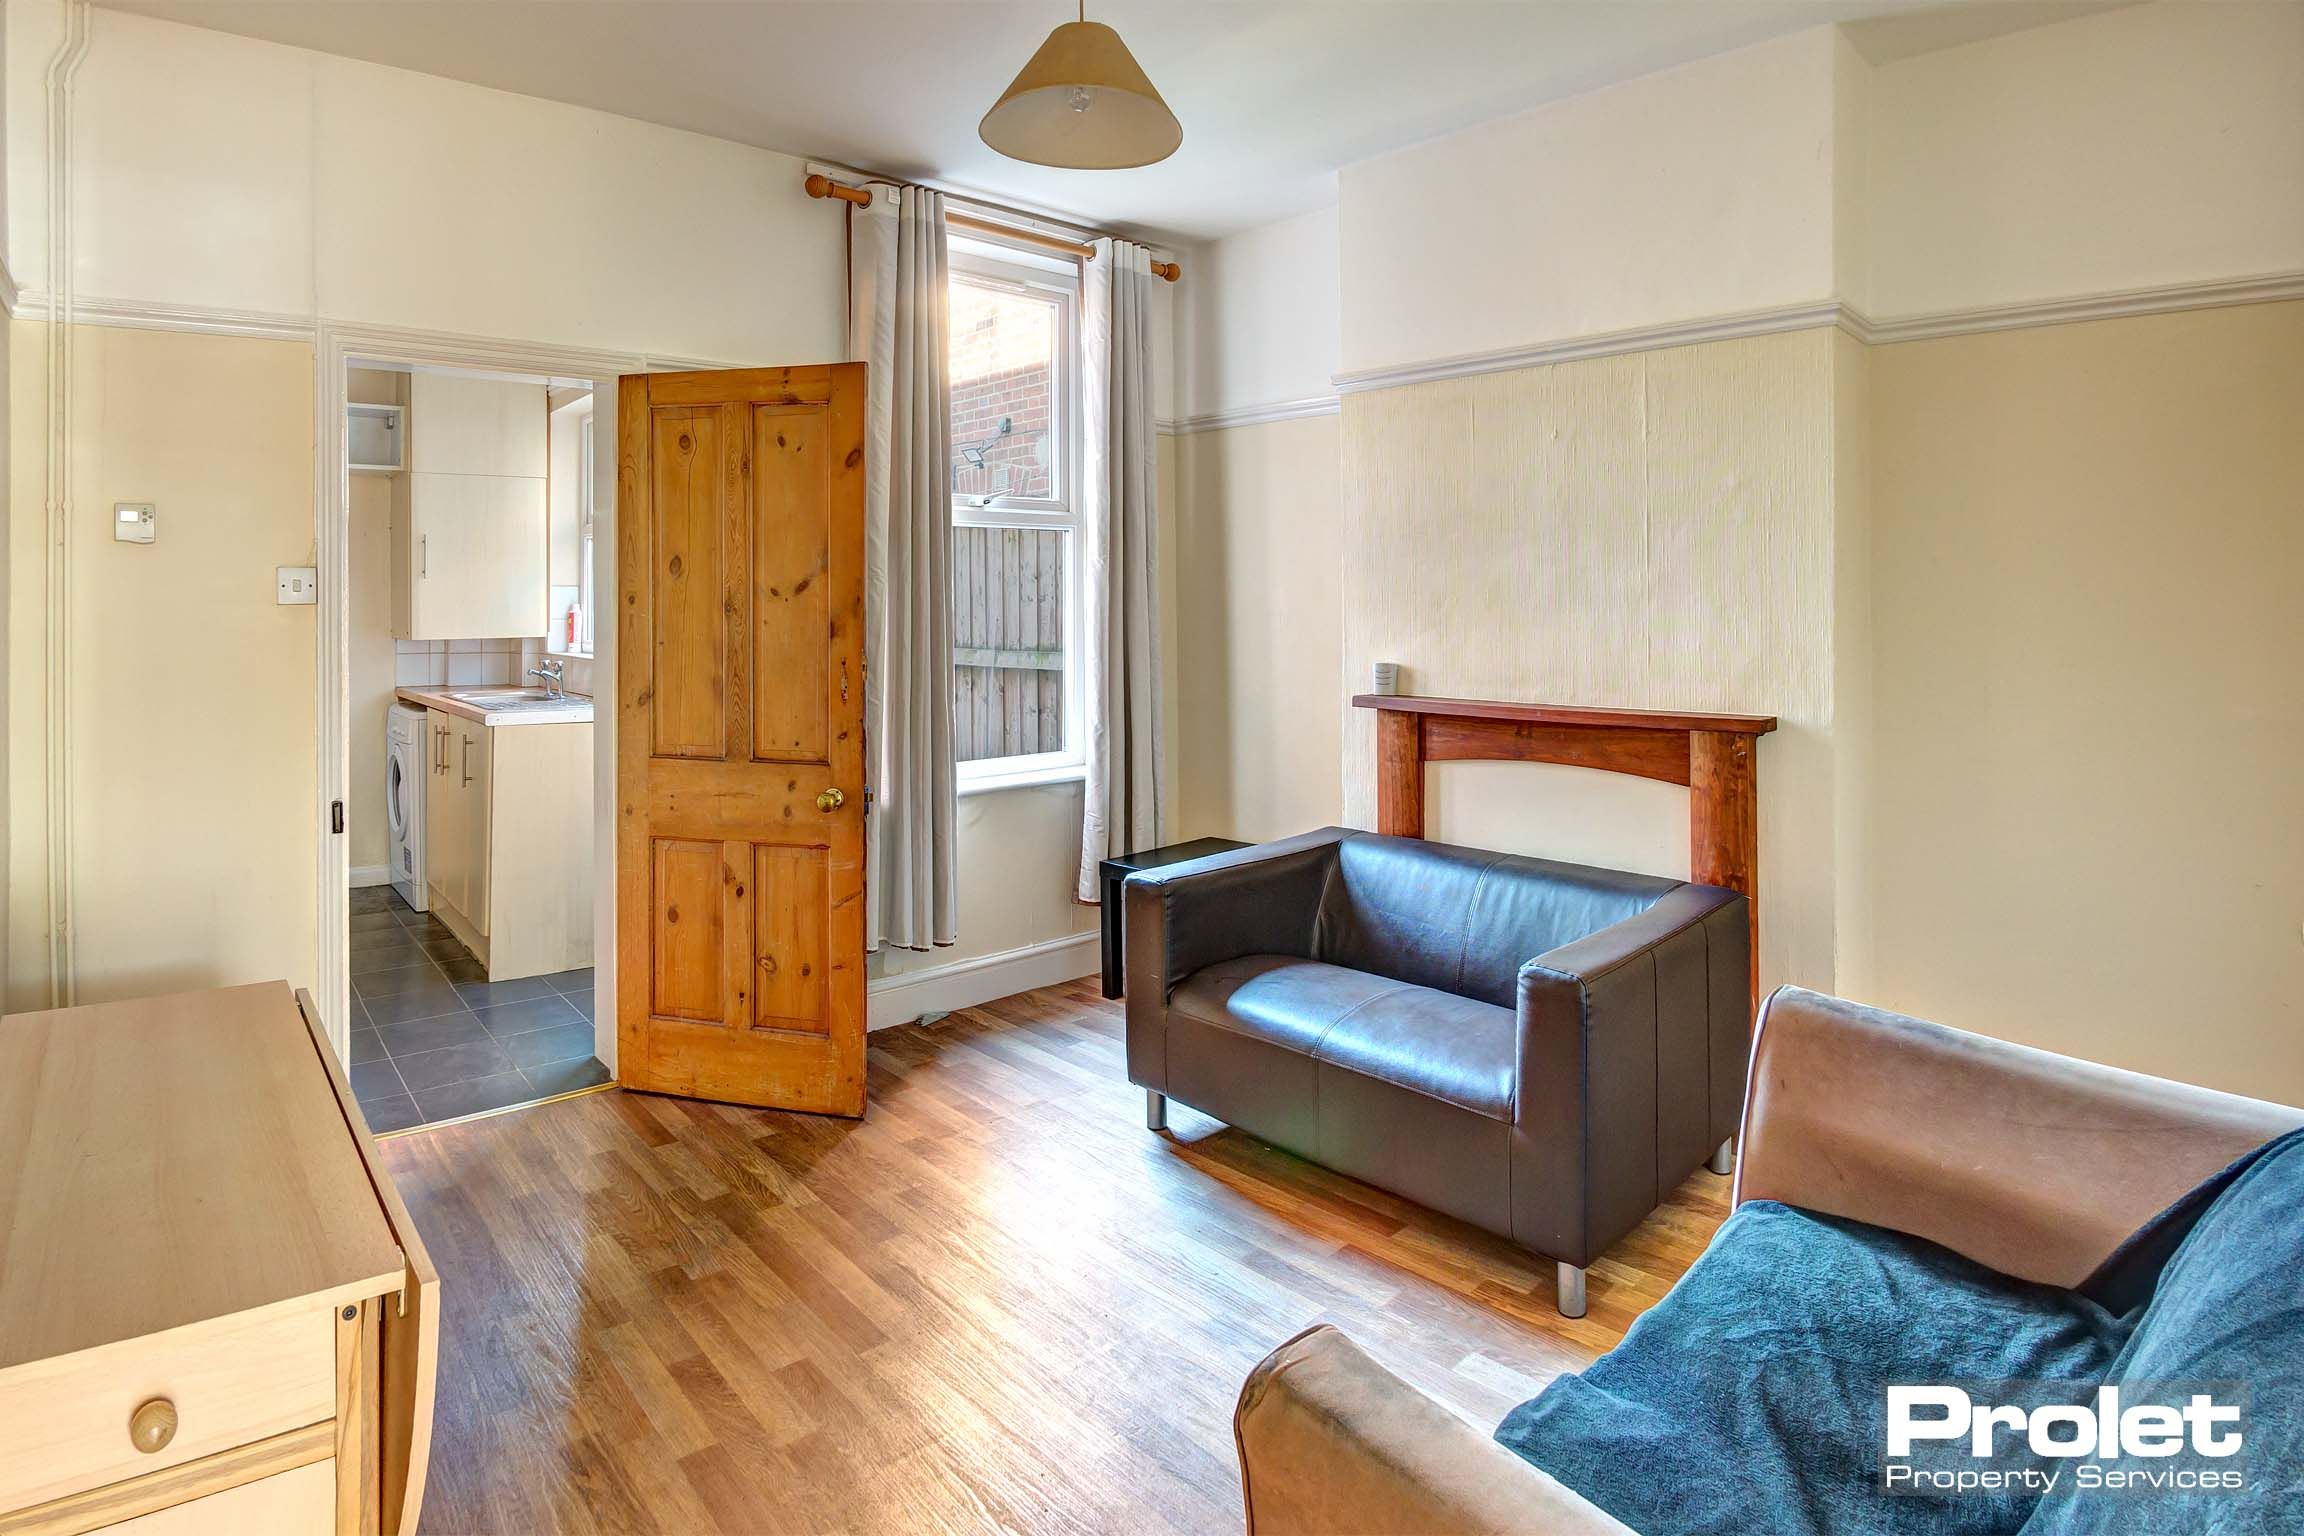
824	186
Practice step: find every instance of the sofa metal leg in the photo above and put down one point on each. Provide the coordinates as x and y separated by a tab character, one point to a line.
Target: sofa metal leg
1571	1290
1723	1156
1155	1110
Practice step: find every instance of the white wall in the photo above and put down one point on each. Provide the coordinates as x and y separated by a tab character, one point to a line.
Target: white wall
1259	319
219	171
1699	191
2143	146
1852	115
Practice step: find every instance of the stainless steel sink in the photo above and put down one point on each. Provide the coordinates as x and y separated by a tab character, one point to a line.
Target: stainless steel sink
506	698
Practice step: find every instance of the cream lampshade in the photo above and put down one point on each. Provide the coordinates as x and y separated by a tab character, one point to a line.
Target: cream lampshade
1082	102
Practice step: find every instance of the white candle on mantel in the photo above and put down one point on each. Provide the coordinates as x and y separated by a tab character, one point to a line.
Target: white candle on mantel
1388	677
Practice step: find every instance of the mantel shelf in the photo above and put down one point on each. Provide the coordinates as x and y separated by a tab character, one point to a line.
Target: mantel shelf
1715	756
1568	714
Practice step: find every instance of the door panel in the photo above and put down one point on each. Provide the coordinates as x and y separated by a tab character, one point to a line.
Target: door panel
443	827
790	710
689	924
788	949
479	826
740	918
689	496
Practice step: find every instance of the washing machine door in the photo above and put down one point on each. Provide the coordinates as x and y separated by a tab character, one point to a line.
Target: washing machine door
396	797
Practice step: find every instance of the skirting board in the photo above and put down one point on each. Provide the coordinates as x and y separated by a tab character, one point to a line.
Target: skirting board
370	874
981	979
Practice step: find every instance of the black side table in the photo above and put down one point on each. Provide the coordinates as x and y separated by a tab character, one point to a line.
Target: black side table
1113	873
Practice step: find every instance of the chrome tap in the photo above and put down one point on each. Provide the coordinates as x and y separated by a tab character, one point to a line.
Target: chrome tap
551	671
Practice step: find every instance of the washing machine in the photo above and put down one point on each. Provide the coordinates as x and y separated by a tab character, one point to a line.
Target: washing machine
405	738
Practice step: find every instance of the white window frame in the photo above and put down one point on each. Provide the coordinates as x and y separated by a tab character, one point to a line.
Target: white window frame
588	609
1025	271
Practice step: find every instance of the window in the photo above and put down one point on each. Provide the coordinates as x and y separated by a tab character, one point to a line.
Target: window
571	600
588	611
1015	522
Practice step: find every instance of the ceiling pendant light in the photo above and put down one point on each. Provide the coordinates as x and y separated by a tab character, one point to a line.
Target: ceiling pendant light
1082	103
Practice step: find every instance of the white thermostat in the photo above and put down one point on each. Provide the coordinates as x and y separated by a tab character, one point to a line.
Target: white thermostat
132	522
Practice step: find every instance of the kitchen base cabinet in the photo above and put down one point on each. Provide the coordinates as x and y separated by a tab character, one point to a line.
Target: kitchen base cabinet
508	842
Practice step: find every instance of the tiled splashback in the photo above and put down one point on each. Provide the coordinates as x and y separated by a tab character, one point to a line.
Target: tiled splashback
479	664
462	663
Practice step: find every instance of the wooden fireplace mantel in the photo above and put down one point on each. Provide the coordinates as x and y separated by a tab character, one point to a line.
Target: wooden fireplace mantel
1713	755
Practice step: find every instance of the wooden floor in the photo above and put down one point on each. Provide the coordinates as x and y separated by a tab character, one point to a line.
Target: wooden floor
998	1302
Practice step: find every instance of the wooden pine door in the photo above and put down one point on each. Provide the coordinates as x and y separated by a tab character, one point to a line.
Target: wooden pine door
740	736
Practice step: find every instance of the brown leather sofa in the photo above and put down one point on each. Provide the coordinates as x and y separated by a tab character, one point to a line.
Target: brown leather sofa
2037	1165
1544	1050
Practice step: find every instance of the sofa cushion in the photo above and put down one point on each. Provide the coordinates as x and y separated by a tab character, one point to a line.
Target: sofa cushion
1427	1041
2226	1312
1752	1397
1464	920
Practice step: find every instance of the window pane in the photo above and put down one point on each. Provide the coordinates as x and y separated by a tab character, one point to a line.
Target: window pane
1003	392
1007	642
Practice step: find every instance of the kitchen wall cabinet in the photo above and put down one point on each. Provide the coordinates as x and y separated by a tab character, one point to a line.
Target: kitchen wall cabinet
508	842
470	535
463	425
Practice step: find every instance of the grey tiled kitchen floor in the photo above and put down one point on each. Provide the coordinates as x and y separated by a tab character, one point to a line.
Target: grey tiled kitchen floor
434	1039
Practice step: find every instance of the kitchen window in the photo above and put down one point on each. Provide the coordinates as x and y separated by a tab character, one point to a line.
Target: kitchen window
1013	354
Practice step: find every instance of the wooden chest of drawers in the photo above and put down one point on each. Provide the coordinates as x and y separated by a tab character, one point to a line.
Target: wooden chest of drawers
215	1315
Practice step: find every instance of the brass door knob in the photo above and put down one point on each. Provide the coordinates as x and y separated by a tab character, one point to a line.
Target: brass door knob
831	800
152	1425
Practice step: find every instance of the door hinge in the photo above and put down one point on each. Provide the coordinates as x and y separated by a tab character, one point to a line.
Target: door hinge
335	815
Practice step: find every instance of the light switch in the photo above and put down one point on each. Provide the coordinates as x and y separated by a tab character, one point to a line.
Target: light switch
132	522
299	583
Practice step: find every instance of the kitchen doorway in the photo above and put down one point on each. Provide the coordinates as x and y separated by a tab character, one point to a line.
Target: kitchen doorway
467	722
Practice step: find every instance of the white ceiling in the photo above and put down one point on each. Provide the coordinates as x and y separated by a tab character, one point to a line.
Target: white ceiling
1274	98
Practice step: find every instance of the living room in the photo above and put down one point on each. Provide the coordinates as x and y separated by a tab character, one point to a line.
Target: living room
1294	859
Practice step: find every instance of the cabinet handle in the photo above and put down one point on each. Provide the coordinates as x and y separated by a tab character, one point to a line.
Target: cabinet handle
467	766
152	1425
423	556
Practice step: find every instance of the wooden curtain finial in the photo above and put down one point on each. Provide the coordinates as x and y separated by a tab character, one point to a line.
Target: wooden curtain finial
819	185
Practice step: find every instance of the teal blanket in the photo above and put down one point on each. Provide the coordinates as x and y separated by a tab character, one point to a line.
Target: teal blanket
1752	1400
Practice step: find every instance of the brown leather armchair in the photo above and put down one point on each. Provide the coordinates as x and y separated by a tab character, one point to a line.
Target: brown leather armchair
1544	1050
2037	1165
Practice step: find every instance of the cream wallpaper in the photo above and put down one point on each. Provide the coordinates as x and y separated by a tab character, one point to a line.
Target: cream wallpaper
1260	712
192	691
1655	530
2087	818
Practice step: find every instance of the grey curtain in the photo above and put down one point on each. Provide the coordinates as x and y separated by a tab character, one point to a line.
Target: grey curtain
1126	803
897	307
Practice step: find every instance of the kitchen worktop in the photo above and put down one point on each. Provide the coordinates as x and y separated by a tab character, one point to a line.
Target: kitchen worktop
503	706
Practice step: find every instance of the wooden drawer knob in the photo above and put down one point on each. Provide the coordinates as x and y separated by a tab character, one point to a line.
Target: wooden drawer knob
153	1425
